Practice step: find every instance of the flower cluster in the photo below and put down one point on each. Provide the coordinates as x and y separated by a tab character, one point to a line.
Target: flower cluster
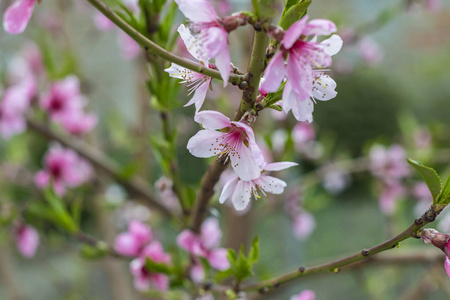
137	242
205	245
63	169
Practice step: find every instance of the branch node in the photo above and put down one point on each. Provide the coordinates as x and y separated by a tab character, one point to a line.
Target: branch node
276	284
430	215
301	270
336	270
263	290
418	221
365	252
243	85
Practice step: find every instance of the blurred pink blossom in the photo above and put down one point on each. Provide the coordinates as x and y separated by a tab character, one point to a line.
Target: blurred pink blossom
206	244
304	224
63	168
370	51
390	195
130	49
433	5
131	243
388	164
301	133
422	138
27	240
145	279
305	295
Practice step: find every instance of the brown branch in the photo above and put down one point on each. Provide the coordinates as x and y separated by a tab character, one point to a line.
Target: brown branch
135	185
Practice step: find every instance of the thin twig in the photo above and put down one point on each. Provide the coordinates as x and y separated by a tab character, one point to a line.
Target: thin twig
156	49
135	185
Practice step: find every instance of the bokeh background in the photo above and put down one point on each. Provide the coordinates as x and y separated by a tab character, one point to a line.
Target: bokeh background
385	101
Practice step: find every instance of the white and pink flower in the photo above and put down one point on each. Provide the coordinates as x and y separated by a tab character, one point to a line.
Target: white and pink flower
223	137
303	57
63	169
145	279
206	245
132	242
240	191
211	34
305	295
195	82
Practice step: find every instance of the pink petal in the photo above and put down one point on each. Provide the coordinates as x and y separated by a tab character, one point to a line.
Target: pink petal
319	27
140	231
18	15
217	258
27	239
278	166
187	240
210	233
217	47
205	143
294	32
192	45
305	295
242	194
274	73
198	11
300	75
447	266
42	179
160	281
212	120
156	252
197	273
304	225
102	22
127	244
228	189
130	48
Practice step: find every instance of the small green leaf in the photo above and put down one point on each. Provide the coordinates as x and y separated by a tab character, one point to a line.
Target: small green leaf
276	107
253	255
157	267
444	196
430	177
293	13
231	256
90	252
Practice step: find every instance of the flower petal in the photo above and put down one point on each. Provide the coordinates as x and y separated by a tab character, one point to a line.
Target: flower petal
187	240
332	45
205	143
300	74
319	27
324	88
217	258
447	266
199	95
18	15
198	11
228	189
244	165
241	195
212	120
294	32
223	63
271	184
191	43
274	73
278	166
303	110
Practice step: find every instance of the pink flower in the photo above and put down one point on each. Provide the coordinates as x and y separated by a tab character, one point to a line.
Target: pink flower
15	102
206	244
102	22
63	168
388	164
302	56
130	49
195	82
144	279
304	224
234	140
302	133
371	53
305	295
130	243
241	191
439	240
64	103
18	15
212	36
27	240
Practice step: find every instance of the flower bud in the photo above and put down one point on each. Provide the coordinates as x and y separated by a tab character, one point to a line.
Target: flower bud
439	240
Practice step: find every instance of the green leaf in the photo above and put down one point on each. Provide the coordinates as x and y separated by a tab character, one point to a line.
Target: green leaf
430	177
61	215
293	12
90	252
243	267
157	267
276	107
444	196
253	255
231	256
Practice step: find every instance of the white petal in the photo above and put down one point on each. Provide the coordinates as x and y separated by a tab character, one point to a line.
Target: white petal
332	45
198	11
242	194
244	165
205	143
271	184
324	88
228	189
199	96
212	120
303	110
278	166
191	43
177	71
